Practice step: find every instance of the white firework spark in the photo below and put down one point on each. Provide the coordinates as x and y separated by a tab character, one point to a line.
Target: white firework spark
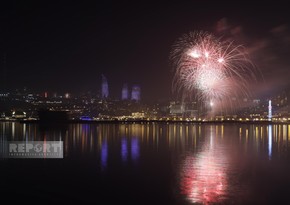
209	68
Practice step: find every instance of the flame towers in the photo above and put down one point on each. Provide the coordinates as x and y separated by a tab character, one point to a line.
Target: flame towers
136	93
133	94
105	87
125	92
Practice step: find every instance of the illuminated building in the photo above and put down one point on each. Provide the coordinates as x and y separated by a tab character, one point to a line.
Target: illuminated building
176	109
138	115
18	114
270	110
67	95
105	87
125	92
136	93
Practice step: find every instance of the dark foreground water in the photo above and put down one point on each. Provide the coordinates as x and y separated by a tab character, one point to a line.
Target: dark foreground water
151	164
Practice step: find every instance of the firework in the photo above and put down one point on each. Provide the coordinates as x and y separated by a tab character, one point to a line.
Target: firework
209	68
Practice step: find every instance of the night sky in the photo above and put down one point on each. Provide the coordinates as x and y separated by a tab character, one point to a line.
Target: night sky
65	47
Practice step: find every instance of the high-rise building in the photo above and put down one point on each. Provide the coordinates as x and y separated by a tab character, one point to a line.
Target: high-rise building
136	93
105	87
125	92
270	110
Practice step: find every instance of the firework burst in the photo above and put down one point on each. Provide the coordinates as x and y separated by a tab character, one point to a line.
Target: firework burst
209	68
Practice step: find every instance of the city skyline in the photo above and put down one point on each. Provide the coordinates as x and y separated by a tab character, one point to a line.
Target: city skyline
145	102
128	42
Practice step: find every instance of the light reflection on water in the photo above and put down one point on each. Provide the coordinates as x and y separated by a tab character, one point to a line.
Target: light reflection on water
270	140
209	161
204	175
124	149
104	154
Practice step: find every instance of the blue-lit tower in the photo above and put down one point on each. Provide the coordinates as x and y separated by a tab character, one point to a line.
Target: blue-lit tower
125	92
270	110
105	87
136	93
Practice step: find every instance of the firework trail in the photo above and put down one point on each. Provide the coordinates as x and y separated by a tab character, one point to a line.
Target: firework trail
210	69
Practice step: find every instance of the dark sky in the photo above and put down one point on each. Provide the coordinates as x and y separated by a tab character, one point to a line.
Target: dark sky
66	46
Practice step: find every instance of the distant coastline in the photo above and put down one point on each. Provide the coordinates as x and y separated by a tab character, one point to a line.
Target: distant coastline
140	121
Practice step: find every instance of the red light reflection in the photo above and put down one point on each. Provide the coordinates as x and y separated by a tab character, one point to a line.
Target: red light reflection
203	177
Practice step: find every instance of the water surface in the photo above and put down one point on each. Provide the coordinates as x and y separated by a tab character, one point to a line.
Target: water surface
151	164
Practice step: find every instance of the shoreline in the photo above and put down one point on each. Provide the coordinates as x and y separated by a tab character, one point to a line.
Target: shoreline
146	121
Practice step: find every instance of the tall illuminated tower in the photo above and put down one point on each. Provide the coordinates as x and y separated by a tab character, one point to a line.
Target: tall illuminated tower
105	87
125	92
270	110
136	93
